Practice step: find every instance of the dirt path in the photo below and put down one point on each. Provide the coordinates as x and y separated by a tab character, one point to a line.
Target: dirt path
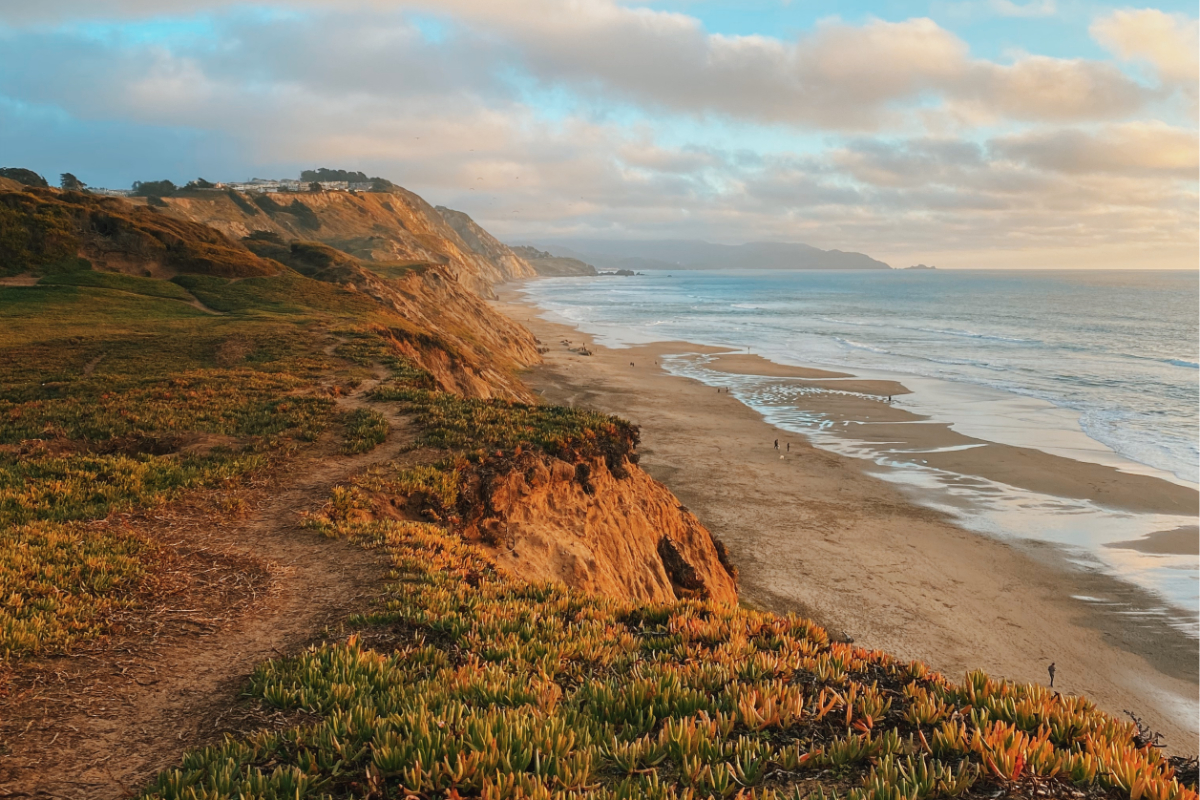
101	725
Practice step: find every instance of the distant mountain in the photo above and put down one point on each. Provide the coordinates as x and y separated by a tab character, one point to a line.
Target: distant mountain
692	254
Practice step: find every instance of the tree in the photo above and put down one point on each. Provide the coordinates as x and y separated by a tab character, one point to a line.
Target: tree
25	177
200	183
314	187
325	174
70	183
154	188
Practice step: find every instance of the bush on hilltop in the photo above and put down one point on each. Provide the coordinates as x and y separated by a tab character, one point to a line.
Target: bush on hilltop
25	177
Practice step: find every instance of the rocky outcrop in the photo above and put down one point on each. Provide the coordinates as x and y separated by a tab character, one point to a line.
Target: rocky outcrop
508	263
627	537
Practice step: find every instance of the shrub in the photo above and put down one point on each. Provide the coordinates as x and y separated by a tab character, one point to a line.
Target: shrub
365	430
163	188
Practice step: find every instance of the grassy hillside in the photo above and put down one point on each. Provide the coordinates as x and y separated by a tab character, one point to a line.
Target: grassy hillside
114	386
45	230
107	385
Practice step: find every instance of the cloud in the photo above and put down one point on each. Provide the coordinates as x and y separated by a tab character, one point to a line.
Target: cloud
1169	42
983	9
588	117
838	76
1038	88
1136	148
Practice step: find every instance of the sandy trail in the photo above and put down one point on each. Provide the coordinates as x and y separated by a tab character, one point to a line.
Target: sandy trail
101	725
812	533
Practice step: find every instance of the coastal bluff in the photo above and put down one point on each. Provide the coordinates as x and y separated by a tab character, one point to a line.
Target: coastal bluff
283	519
626	537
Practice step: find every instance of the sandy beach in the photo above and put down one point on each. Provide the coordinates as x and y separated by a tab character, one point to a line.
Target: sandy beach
813	533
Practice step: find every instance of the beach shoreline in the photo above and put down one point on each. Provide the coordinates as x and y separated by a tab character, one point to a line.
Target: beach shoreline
813	532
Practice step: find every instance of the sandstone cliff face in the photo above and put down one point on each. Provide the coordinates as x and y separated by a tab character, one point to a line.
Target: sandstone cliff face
626	538
474	351
482	243
396	226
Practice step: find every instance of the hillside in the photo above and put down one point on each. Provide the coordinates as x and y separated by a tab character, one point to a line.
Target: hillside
394	227
281	521
47	230
692	254
482	243
551	266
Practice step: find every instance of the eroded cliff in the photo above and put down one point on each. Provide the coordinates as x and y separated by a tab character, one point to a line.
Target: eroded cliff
627	537
610	531
396	227
484	244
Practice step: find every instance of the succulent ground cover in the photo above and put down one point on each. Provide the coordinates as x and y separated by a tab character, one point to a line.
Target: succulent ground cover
471	684
482	427
117	395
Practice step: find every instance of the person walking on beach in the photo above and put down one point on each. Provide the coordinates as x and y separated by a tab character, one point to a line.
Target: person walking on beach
776	444
1051	670
789	447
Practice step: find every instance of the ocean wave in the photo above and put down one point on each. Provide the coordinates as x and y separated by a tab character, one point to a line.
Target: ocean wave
974	335
961	362
861	346
843	322
1179	362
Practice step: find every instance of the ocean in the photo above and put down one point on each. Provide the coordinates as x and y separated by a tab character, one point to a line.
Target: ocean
1100	366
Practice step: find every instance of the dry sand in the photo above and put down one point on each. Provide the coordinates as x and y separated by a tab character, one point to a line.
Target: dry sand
812	533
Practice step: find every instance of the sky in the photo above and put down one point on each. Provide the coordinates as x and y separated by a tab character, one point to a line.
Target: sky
989	134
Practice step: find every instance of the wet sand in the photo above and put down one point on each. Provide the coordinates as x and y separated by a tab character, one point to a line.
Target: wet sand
750	364
813	533
1182	541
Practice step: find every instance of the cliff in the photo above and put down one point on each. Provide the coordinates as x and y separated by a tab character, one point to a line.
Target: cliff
626	538
436	322
510	264
386	227
551	266
469	348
